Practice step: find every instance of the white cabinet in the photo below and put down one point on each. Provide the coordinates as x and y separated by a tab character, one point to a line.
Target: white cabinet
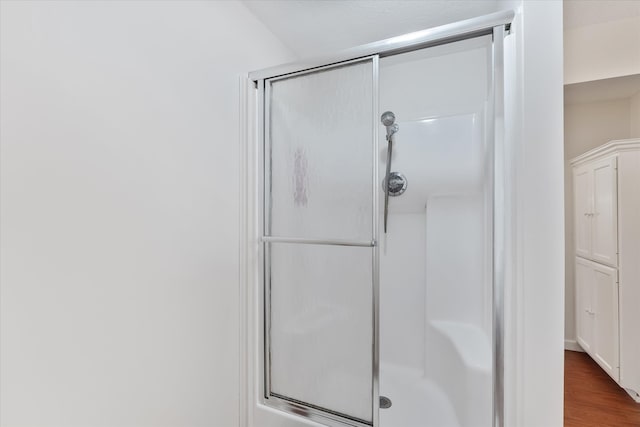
597	305
584	303
605	318
597	311
595	209
629	269
606	186
604	219
582	191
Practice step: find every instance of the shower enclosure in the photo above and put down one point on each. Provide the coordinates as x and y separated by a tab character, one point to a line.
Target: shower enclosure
375	252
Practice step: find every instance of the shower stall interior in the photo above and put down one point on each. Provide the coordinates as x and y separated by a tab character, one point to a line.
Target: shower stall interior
374	240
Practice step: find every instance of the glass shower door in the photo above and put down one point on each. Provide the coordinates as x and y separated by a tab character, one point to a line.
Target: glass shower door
320	275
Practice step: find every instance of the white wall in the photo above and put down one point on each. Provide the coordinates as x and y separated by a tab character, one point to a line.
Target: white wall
601	51
118	255
586	126
634	107
119	210
539	251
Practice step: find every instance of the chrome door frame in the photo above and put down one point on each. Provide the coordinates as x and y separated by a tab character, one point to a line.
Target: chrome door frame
497	25
461	30
321	415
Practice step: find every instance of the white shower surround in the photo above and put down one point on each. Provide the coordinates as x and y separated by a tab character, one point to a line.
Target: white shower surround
451	153
526	327
429	343
436	325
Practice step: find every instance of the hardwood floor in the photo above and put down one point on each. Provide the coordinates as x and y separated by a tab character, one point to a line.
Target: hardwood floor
592	398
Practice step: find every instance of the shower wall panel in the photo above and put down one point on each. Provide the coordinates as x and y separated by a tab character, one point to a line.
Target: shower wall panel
436	258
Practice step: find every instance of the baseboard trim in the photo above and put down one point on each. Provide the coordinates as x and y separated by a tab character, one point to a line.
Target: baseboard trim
572	345
633	394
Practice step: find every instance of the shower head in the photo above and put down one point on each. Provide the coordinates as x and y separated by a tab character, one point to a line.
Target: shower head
388	118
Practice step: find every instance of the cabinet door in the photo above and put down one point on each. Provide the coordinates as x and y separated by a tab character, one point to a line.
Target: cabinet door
582	210
604	233
584	312
605	307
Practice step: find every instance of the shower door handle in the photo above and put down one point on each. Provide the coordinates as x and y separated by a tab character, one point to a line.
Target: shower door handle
331	242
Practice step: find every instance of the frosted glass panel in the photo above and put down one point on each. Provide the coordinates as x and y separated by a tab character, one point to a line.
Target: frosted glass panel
321	326
321	147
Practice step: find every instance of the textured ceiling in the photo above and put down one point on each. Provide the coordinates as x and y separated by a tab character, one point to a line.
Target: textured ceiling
313	27
580	13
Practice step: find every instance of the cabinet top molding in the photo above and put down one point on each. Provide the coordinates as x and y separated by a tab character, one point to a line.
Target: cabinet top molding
608	148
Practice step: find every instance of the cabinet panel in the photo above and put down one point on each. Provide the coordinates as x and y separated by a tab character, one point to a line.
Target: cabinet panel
629	264
582	210
584	316
607	239
605	307
604	241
